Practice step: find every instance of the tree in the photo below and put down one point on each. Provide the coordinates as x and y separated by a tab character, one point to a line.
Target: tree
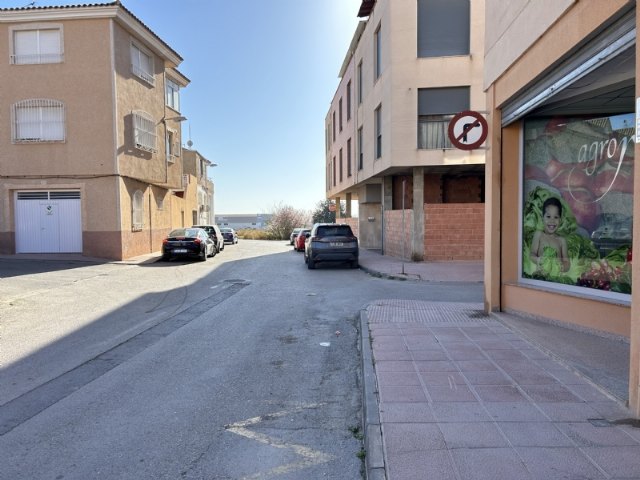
323	213
284	219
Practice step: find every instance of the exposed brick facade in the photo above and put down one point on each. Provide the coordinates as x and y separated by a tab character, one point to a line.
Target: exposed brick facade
393	233
352	222
454	231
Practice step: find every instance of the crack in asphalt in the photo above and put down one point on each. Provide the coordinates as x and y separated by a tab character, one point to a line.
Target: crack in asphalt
29	404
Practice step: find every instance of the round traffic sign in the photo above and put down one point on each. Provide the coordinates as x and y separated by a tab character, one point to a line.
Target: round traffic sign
468	130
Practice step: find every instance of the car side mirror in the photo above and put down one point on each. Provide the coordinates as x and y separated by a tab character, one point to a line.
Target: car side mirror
307	235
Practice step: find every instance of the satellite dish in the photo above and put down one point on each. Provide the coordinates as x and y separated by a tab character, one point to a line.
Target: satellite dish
189	144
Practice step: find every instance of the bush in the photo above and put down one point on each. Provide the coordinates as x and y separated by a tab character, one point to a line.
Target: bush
253	234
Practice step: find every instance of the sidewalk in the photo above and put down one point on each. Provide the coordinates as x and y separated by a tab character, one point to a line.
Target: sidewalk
452	393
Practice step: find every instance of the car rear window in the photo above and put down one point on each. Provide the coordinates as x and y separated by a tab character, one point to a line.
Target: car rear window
184	232
337	231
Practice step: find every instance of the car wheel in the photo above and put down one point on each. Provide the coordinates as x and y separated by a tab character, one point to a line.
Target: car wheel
165	258
311	264
354	264
213	251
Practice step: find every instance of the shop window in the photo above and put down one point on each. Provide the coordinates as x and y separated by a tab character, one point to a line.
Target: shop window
578	202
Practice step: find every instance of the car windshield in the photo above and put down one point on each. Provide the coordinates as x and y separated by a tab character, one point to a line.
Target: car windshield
225	230
334	231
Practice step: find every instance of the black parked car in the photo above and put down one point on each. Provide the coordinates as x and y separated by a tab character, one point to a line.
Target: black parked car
188	242
331	242
215	234
229	235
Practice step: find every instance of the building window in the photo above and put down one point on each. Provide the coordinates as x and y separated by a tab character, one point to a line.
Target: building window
378	130
38	120
360	154
333	126
137	211
377	54
173	95
340	163
443	27
334	171
31	46
142	64
172	146
359	80
578	203
340	112
349	158
144	131
436	108
348	100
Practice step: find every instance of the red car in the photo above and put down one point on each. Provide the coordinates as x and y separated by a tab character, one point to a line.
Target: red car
299	241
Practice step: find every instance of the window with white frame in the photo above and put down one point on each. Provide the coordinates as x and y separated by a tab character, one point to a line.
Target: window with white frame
142	64
173	95
137	211
38	120
172	145
144	131
36	45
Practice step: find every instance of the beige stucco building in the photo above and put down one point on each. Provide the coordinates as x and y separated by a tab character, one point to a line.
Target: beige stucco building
411	66
90	132
561	212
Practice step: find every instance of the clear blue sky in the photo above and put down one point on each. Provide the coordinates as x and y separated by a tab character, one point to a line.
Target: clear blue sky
263	73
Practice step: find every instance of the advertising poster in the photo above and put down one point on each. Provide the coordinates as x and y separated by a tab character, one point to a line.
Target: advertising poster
578	201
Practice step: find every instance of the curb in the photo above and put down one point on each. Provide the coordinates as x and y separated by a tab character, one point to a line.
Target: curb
374	459
390	276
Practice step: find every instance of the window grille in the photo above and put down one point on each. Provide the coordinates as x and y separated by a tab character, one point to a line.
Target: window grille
144	131
37	46
433	132
137	214
38	120
142	65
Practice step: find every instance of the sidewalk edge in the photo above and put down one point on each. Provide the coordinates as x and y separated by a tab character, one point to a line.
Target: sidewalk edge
374	459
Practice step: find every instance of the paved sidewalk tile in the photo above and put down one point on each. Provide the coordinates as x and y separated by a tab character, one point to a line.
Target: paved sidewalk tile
474	402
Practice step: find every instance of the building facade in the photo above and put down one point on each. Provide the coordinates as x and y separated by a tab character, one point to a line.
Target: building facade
198	190
561	211
411	66
90	133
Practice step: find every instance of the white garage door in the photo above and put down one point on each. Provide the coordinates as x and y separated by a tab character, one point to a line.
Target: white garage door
48	222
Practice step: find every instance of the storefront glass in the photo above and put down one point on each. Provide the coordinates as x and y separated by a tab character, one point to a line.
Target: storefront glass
578	202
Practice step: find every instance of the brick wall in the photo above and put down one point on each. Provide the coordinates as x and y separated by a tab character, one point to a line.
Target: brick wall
393	233
352	222
454	231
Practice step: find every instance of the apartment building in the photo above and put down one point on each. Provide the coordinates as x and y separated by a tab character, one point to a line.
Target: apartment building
561	210
90	132
198	193
411	66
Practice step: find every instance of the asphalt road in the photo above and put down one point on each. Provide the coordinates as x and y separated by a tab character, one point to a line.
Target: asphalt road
243	367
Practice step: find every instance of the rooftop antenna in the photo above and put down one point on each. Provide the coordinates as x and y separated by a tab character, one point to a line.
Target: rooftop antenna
32	4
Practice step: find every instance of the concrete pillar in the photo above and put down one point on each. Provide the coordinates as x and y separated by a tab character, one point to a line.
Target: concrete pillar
417	233
337	200
493	209
387	203
348	209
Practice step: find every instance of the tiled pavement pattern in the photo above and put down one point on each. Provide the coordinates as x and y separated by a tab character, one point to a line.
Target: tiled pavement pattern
463	397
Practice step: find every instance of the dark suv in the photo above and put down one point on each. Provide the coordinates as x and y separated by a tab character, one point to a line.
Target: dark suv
331	242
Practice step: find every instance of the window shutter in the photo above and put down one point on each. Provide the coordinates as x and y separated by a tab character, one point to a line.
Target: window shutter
50	43
25	45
